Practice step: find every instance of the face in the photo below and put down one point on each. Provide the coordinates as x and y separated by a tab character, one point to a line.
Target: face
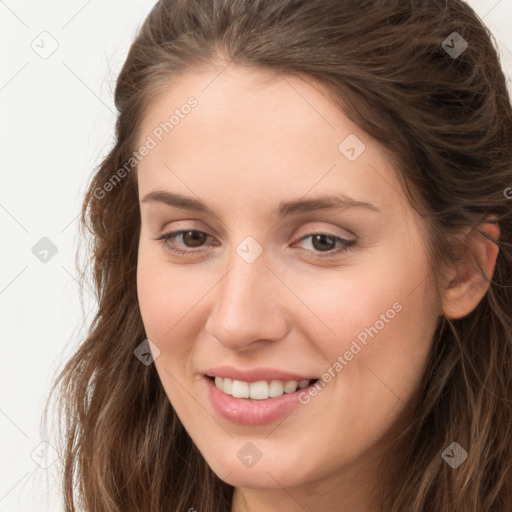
261	286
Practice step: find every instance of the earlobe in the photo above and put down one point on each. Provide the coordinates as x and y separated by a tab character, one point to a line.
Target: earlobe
468	286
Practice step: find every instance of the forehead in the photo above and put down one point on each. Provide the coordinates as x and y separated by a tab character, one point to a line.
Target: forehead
245	101
269	131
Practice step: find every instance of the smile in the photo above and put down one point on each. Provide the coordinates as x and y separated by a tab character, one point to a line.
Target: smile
260	390
251	403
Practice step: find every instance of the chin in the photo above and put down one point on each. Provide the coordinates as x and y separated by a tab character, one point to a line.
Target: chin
273	471
264	477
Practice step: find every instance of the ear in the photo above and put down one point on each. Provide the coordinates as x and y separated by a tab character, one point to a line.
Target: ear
467	286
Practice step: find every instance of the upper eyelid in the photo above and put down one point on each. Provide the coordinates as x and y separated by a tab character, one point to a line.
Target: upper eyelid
178	232
348	235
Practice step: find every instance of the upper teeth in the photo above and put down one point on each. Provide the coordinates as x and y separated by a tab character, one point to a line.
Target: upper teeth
258	390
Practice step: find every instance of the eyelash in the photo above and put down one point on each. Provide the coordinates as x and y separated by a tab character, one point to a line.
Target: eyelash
346	245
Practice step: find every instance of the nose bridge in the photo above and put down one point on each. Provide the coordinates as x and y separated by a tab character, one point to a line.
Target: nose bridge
245	308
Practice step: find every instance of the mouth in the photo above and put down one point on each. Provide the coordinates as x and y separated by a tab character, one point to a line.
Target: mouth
260	390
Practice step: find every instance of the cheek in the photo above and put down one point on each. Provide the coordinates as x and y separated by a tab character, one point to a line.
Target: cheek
380	319
169	301
167	295
383	329
339	305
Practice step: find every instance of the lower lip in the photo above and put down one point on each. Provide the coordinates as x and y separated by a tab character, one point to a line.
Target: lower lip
250	412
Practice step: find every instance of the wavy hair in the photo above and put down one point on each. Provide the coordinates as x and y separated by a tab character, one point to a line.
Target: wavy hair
446	121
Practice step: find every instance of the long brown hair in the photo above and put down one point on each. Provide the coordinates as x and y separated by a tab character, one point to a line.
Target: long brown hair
447	121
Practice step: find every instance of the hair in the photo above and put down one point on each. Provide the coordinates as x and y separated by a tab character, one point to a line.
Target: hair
446	122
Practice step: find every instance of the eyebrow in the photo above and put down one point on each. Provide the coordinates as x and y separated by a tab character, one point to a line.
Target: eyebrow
284	209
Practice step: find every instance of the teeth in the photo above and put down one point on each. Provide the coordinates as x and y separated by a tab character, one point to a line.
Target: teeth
228	386
240	389
290	386
260	390
276	388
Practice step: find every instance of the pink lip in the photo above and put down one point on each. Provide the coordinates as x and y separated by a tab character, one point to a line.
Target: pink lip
249	412
255	374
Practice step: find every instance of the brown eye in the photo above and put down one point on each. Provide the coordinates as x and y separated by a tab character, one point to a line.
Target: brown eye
323	242
324	245
194	238
191	239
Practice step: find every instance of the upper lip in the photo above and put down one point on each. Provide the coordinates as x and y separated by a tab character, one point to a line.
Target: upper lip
255	374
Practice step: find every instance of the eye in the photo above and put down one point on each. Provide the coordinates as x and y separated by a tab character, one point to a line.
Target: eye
323	244
193	236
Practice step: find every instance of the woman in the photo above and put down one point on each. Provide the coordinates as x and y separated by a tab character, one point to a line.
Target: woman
301	249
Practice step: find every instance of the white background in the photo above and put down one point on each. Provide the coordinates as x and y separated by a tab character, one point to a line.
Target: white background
57	122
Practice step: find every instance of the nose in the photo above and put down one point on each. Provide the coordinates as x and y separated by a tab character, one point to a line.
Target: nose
248	309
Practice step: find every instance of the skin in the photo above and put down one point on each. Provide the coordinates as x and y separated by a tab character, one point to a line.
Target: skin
255	139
